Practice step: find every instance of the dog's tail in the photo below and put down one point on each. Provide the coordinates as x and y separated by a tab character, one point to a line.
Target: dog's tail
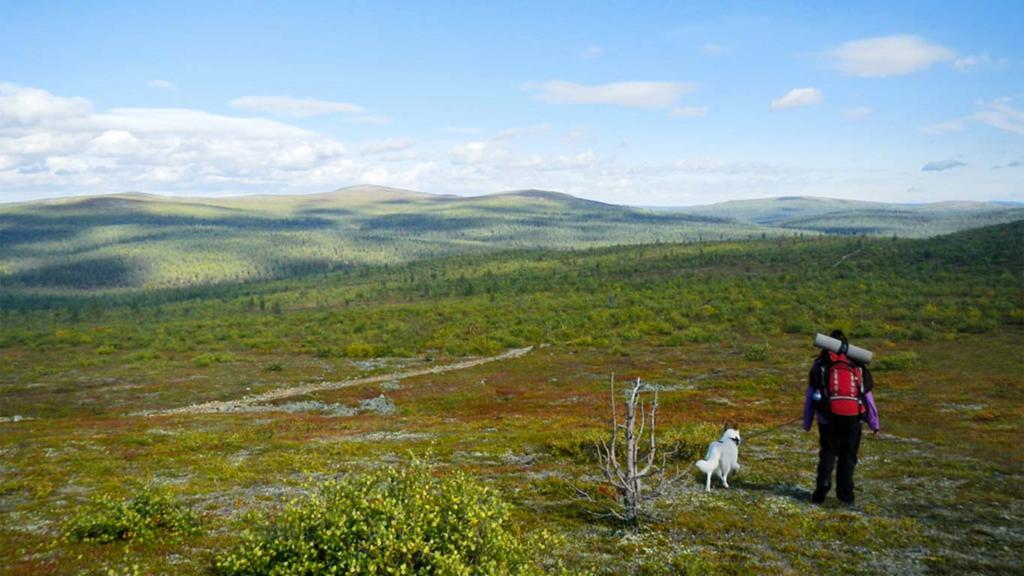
706	466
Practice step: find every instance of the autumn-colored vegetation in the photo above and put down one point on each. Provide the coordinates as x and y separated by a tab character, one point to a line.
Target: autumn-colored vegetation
722	328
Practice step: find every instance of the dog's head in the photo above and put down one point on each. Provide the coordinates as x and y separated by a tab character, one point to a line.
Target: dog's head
731	432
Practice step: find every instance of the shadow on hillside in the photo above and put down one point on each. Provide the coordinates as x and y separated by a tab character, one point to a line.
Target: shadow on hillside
25	228
86	274
325	212
422	223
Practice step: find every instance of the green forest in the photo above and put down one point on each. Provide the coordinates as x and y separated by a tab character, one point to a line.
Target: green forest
131	242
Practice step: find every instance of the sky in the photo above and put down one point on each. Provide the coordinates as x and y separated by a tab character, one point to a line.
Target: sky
643	103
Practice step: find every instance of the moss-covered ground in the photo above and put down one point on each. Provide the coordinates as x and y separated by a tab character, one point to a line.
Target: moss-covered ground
939	490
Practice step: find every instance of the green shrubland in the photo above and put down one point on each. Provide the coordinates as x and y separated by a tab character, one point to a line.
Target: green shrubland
665	294
400	522
146	515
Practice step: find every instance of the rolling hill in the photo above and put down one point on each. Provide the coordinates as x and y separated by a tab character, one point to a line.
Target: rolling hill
134	240
856	217
146	241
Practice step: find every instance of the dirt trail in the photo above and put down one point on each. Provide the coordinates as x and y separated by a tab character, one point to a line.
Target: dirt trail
233	405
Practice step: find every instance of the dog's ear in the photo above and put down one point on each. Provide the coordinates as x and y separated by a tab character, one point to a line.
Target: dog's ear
734	425
725	426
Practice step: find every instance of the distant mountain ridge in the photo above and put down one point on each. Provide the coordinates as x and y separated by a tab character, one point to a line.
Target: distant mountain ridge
134	240
841	216
137	240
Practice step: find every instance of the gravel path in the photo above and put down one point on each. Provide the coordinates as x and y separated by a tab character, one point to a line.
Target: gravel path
234	405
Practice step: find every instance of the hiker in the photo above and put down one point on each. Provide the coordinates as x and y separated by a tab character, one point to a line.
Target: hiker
840	406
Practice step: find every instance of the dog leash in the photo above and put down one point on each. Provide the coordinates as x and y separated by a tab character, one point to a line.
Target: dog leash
773	428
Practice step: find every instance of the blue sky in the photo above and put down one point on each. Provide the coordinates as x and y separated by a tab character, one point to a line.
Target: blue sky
650	103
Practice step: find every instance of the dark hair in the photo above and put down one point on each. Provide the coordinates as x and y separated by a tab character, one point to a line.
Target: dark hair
838	335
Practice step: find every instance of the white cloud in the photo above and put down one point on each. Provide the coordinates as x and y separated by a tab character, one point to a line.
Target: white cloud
289	106
161	84
375	120
516	132
798	97
158	121
713	166
943	127
386	146
1001	114
690	111
25	106
66	147
942	165
475	152
858	112
591	52
114	143
889	56
983	61
53	143
633	94
575	134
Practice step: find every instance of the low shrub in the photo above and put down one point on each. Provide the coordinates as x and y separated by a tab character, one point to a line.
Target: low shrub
687	442
757	352
896	361
207	359
143	516
360	350
578	445
684	563
391	521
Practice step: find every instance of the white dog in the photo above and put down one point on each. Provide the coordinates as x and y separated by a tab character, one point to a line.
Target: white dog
723	457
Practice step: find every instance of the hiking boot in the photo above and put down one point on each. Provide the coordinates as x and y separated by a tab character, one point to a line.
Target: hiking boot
819	496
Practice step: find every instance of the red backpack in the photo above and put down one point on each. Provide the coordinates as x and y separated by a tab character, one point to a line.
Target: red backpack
843	381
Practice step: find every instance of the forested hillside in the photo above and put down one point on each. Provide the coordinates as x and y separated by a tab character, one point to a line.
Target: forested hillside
132	241
666	294
855	217
135	241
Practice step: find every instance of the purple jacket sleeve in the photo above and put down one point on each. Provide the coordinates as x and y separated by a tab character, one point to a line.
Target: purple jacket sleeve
809	407
872	415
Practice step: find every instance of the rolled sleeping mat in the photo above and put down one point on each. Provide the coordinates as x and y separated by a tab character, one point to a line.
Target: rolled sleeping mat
855	353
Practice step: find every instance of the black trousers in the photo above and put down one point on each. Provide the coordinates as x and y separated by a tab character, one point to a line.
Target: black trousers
840	440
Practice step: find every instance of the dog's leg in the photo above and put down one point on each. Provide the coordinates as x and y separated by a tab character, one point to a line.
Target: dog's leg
707	488
725	478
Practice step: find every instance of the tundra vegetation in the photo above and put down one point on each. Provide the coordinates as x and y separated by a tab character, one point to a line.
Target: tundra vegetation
95	478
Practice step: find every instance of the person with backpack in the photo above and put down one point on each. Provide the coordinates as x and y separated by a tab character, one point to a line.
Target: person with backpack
839	394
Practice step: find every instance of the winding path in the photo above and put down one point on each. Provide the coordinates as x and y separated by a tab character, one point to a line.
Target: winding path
234	405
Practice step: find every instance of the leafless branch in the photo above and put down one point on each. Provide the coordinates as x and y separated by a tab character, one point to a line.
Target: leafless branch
627	478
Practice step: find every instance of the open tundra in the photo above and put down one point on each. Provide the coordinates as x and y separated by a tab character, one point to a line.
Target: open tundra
101	468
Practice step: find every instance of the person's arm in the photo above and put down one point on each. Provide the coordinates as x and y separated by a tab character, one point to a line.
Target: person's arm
809	398
872	412
869	380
